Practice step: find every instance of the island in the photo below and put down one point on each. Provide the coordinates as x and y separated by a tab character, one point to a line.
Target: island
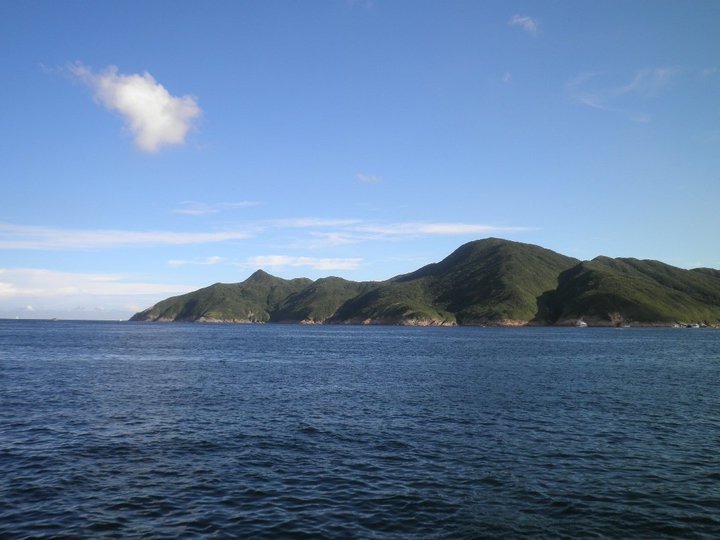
492	282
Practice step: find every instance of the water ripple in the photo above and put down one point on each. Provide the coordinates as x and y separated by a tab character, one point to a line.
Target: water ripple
135	431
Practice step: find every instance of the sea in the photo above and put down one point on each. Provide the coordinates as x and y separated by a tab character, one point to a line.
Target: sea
148	430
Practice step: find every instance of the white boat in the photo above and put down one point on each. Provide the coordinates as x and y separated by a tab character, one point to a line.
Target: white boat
581	324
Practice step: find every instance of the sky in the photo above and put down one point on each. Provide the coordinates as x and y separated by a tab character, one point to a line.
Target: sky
148	149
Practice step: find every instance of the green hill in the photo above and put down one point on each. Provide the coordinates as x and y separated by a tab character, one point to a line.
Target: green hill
489	281
318	301
630	290
482	282
253	300
394	303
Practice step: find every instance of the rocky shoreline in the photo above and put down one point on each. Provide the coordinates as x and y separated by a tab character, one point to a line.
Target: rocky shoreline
505	323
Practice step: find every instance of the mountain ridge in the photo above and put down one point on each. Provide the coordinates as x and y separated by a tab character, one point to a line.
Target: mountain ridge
484	282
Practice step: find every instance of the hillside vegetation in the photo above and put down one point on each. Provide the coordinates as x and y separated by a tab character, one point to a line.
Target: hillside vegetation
254	300
630	290
485	282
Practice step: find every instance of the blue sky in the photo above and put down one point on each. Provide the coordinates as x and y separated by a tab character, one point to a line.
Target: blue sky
152	148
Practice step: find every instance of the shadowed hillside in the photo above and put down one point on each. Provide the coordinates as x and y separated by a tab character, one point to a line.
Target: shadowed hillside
630	290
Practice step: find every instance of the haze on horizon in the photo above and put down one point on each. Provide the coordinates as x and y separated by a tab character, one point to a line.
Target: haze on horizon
147	156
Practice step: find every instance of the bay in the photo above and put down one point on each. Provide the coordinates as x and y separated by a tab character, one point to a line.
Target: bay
166	430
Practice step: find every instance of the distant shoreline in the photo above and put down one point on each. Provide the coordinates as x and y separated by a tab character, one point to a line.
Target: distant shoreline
673	326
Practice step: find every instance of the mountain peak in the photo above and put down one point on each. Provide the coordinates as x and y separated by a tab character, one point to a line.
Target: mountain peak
260	275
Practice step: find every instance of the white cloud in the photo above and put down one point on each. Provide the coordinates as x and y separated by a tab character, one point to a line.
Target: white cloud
305	223
195	210
336	238
208	261
277	261
192	208
528	24
44	238
151	113
42	283
417	229
353	231
239	204
368	178
321	240
367	4
647	82
39	292
348	229
605	92
582	93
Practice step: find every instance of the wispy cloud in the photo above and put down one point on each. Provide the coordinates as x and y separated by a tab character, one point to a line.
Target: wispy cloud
348	228
189	209
581	92
41	283
307	223
45	238
192	208
369	178
336	238
35	292
420	229
648	82
367	4
354	231
316	263
316	240
322	233
208	261
528	24
345	232
238	204
604	92
151	113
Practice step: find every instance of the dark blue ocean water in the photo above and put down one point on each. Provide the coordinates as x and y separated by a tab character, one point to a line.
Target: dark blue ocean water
151	430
